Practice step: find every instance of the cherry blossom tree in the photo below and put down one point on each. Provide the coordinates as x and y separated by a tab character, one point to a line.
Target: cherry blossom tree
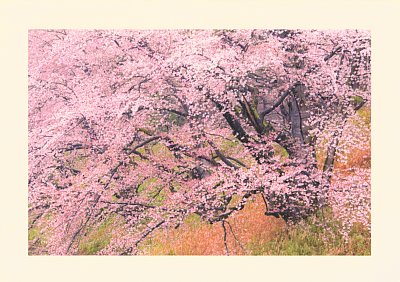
152	126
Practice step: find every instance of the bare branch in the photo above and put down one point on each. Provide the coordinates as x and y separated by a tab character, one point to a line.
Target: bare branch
225	243
234	236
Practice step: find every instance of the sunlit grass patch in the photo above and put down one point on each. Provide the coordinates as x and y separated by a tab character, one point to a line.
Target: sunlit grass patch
319	235
96	239
196	237
250	232
37	233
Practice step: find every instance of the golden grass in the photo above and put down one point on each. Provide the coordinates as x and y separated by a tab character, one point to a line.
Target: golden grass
358	159
196	237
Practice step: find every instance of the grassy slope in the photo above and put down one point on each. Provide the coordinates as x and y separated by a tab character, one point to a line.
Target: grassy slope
250	232
254	234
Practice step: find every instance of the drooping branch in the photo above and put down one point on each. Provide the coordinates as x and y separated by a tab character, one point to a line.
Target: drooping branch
84	224
139	85
183	114
222	156
210	160
239	206
147	233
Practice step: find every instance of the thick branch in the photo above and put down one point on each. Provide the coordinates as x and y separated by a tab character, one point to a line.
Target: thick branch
252	116
144	143
236	160
275	105
225	160
235	125
296	119
222	156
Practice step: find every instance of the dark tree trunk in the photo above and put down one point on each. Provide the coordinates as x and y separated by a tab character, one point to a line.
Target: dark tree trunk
330	156
295	120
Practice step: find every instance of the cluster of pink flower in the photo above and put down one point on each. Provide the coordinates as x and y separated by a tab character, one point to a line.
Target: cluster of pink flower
350	199
154	125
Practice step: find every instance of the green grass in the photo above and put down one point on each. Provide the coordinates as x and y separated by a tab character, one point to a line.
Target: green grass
96	239
37	237
33	233
36	242
193	220
153	190
149	182
280	151
227	145
365	114
312	237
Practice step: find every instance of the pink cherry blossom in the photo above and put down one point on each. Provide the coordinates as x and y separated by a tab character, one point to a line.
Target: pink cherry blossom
153	125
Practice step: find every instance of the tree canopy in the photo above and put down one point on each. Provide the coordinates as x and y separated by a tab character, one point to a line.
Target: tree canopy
155	125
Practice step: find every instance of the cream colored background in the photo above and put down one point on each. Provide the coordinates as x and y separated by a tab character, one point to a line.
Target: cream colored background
16	17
